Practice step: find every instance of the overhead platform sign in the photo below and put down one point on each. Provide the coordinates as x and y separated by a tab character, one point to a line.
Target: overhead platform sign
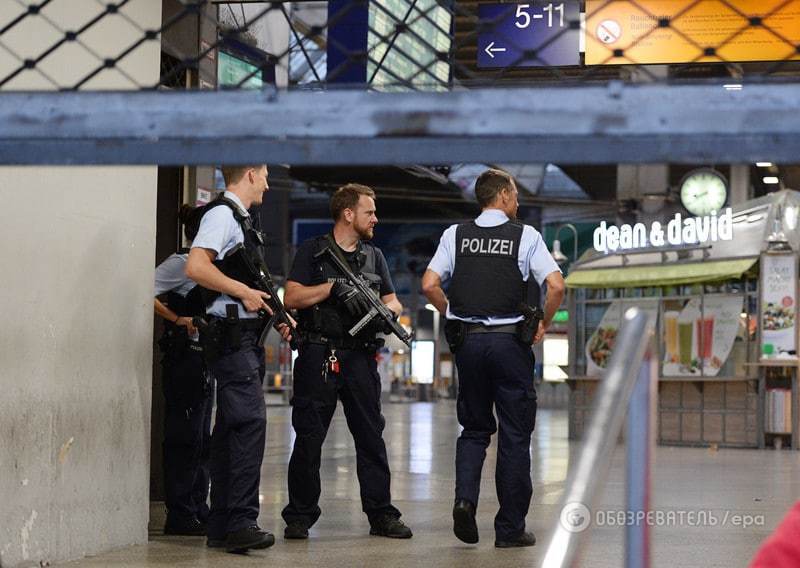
689	31
535	34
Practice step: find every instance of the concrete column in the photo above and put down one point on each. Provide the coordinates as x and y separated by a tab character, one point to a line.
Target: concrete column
76	341
739	184
634	181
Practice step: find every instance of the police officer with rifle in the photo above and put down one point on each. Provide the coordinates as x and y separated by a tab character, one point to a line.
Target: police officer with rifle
226	248
487	263
345	295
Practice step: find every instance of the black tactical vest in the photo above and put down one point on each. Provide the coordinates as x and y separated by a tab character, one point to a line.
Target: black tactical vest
186	306
253	246
330	318
486	279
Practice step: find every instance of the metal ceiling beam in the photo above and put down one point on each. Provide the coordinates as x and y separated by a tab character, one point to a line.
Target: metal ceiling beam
565	125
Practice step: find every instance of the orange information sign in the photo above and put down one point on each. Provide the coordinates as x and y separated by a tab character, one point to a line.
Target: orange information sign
690	31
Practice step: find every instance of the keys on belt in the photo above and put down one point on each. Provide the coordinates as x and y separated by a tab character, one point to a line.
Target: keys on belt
330	365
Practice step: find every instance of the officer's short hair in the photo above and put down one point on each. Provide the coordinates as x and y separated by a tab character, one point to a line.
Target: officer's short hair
233	174
490	183
347	196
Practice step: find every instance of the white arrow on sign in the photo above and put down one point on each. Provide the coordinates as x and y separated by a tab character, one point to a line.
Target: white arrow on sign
491	49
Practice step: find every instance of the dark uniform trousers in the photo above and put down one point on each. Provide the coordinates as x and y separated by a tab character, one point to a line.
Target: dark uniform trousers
496	369
237	444
187	435
358	386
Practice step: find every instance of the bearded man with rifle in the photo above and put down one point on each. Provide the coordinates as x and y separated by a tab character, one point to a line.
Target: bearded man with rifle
342	288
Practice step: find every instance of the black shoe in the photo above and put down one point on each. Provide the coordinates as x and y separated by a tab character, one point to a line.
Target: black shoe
188	527
464	525
202	514
251	538
215	543
295	531
525	539
391	527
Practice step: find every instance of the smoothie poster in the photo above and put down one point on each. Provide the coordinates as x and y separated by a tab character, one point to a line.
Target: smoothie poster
778	305
601	343
699	341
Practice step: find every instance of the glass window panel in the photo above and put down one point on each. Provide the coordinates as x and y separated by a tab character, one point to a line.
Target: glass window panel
735	363
670	290
736	286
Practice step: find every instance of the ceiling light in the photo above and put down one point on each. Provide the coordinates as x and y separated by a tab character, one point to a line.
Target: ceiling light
771	180
733	87
764	164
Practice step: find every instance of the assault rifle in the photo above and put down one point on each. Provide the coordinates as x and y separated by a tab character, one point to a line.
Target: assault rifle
377	308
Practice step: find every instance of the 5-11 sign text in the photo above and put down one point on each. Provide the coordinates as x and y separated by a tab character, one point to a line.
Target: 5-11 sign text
525	17
534	34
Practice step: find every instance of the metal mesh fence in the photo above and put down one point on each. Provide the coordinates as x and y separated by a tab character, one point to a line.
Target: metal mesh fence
427	44
446	70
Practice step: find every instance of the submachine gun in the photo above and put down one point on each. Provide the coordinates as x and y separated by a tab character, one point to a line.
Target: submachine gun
377	308
259	274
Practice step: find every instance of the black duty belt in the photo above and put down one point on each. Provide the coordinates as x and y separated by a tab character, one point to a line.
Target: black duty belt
342	342
481	328
245	324
252	324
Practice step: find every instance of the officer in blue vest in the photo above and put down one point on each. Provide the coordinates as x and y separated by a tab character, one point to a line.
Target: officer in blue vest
237	314
487	263
187	391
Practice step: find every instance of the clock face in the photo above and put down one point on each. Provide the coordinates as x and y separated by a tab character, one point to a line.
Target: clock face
703	191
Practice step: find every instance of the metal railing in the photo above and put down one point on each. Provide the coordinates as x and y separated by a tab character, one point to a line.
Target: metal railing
629	383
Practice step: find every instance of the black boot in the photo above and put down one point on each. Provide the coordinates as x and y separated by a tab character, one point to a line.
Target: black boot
390	526
184	527
251	538
295	531
464	525
525	539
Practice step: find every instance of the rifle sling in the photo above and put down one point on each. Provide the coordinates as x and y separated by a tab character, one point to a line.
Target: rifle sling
336	251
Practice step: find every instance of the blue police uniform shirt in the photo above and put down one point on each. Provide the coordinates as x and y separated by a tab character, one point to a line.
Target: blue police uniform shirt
219	231
171	277
533	258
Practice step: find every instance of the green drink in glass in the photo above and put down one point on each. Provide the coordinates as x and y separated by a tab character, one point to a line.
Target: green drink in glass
685	330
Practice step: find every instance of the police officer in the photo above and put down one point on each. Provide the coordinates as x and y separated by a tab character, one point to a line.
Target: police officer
487	263
235	309
334	365
187	391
